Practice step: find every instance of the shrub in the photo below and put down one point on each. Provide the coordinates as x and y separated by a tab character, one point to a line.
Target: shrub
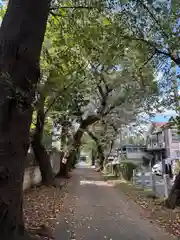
177	167
146	162
126	169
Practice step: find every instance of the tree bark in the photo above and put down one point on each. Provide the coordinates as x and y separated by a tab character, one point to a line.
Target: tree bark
93	156
40	152
77	140
101	156
61	169
21	36
61	172
99	149
75	159
174	196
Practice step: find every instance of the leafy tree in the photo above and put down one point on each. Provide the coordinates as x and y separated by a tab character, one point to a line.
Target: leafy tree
19	69
154	24
110	86
99	147
104	135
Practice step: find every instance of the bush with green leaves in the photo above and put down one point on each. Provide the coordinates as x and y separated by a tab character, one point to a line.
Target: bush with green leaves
126	169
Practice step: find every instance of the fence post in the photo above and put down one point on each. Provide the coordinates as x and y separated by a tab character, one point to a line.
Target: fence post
153	180
112	170
134	177
166	185
142	179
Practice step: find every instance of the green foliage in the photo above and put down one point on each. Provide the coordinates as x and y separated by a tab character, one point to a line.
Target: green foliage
47	141
174	122
33	126
89	67
126	169
177	168
87	144
2	11
146	161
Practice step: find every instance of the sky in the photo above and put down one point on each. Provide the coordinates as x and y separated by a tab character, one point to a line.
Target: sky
163	117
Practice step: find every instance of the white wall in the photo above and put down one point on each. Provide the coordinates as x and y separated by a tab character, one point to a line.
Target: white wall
136	155
32	175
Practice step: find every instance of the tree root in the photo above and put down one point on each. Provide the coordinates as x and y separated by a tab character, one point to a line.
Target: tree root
53	183
63	177
33	234
173	200
42	232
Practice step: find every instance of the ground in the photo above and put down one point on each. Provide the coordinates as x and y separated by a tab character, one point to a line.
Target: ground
95	209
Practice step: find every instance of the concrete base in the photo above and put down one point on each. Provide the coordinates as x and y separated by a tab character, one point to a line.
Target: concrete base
32	175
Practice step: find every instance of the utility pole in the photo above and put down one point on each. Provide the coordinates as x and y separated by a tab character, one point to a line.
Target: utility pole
177	108
176	97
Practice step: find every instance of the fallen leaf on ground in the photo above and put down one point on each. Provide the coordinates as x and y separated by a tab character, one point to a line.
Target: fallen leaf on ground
41	206
154	209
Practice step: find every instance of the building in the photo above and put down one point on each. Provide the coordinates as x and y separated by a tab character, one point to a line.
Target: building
163	141
132	152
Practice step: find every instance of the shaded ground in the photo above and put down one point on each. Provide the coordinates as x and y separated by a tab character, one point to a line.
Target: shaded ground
41	206
95	210
154	208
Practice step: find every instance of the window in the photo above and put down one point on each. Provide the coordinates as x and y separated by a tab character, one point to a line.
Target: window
177	153
175	136
132	150
135	150
160	137
129	150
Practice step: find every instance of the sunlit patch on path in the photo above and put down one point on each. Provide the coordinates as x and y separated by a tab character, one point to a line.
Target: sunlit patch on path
97	183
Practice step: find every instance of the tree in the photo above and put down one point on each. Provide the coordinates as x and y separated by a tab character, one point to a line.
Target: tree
40	152
100	150
19	67
58	72
111	96
89	146
95	65
154	24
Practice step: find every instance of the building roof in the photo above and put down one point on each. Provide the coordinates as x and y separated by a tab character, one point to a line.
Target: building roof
157	126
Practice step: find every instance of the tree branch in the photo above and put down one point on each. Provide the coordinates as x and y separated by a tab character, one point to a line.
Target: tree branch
157	51
148	60
57	97
153	17
52	9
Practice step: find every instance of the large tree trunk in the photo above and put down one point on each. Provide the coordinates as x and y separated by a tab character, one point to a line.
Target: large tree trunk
62	165
77	141
101	156
61	172
21	36
99	149
174	196
93	157
76	158
40	152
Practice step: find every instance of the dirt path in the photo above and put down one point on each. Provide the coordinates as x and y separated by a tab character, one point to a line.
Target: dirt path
95	211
